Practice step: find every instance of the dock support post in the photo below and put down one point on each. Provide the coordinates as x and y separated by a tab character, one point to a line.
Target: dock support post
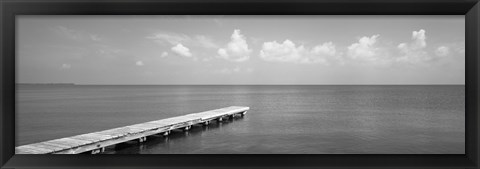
187	128
98	151
220	119
166	133
142	139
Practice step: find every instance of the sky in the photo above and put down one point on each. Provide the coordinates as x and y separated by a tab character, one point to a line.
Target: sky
257	50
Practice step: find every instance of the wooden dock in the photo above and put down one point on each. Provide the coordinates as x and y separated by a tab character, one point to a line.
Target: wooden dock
97	141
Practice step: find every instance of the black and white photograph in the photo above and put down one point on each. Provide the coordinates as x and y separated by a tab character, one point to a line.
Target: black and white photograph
240	84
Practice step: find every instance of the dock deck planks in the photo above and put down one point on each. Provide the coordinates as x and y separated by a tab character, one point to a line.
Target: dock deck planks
98	140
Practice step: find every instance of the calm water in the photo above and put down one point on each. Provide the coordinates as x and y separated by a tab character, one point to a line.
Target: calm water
282	119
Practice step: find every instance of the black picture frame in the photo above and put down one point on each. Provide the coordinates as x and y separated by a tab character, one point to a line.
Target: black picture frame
11	8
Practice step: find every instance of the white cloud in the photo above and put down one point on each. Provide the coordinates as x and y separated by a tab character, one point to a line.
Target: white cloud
164	54
281	52
324	53
66	66
174	38
365	49
139	63
419	39
289	52
181	50
413	52
418	42
442	51
325	49
237	49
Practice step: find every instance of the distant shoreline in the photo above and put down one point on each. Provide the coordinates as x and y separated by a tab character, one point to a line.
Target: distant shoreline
63	84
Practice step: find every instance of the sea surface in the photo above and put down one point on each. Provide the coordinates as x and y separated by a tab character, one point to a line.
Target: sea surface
340	119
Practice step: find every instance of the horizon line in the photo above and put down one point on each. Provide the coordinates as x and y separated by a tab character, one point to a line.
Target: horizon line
87	84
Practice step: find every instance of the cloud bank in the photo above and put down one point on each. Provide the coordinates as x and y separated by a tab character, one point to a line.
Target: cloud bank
181	50
367	50
288	51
